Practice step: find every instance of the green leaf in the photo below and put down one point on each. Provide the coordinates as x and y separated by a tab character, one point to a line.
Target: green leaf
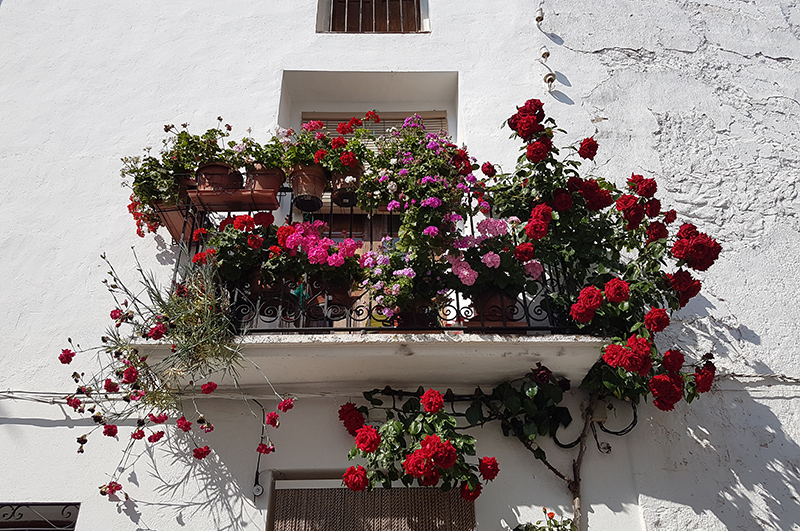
474	413
538	453
512	402
532	390
530	430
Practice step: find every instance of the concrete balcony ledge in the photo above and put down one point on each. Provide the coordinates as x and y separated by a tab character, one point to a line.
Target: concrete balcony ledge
342	364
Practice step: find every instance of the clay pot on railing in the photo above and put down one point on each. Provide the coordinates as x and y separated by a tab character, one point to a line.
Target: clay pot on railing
259	177
344	186
218	177
495	308
308	184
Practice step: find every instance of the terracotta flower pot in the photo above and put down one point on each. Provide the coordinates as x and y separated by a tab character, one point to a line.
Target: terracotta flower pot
218	177
344	186
259	177
495	308
308	184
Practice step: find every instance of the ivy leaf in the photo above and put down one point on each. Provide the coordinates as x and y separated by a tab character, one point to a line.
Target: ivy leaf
474	413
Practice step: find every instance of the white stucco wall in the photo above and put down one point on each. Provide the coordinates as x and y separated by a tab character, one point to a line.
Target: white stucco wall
703	96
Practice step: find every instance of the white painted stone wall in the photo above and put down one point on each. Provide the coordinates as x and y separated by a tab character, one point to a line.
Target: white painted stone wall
703	96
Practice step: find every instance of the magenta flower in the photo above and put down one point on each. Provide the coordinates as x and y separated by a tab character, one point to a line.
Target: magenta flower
431	231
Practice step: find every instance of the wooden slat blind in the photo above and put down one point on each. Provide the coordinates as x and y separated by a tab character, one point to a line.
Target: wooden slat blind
375	16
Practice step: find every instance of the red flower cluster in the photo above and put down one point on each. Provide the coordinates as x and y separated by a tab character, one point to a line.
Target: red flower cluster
204	256
686	286
208	388
225	222
201	453
66	356
617	290
313	125
113	487
367	439
355	478
632	211
348	158
254	241
244	223
183	424
596	197
137	435
154	438
589	300
286	405
524	252
198	234
110	386
656	320
110	430
527	120
673	360
432	401
265	219
704	377
588	148
562	199
319	155
338	142
157	331
284	231
264	449
635	357
160	419
272	419
488	169
696	248
667	390
74	403
348	127
537	151
641	186
652	208
488	468
351	417
130	375
373	117
537	226
656	231
468	493
422	463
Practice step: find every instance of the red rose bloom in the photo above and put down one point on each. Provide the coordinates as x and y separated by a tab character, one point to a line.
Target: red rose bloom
626	202
272	419
704	377
344	128
591	297
634	180
537	151
652	208
286	405
351	417
201	453
673	360
66	356
581	313
264	449
432	401
254	242
562	199
154	438
469	494
488	169
536	229
596	198
613	353
338	142
130	375
524	252
488	468
588	148
647	188
687	232
445	455
183	424
208	388
368	439
703	253
319	155
527	126
670	216
430	480
633	217
265	219
348	158
418	464
110	387
617	290
244	223
667	390
355	478
656	231
110	430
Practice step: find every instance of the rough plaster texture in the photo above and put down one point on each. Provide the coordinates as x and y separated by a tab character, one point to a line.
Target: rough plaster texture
703	96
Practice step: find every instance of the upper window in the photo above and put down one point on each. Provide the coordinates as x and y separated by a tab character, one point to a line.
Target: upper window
373	16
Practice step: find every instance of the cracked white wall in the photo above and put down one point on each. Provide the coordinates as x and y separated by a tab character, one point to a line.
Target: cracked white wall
703	96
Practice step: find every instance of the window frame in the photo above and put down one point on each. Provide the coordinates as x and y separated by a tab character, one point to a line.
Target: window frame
326	8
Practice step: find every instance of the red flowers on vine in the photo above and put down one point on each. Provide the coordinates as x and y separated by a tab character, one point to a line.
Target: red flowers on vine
432	401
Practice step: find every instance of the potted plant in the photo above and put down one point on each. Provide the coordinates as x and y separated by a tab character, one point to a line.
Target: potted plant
347	157
304	156
263	162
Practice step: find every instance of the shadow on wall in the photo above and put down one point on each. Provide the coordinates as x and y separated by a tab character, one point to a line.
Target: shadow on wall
728	453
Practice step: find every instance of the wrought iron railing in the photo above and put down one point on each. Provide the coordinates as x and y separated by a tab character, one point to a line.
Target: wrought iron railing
290	306
29	516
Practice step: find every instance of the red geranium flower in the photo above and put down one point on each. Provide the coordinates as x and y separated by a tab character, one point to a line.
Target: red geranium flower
348	158
255	242
338	142
198	234
265	219
319	155
244	223
344	128
373	116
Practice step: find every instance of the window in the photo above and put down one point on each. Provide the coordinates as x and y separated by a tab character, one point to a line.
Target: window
399	509
30	516
373	16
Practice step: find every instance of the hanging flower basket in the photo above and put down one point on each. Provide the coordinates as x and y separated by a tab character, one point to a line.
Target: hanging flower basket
218	177
308	184
344	186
